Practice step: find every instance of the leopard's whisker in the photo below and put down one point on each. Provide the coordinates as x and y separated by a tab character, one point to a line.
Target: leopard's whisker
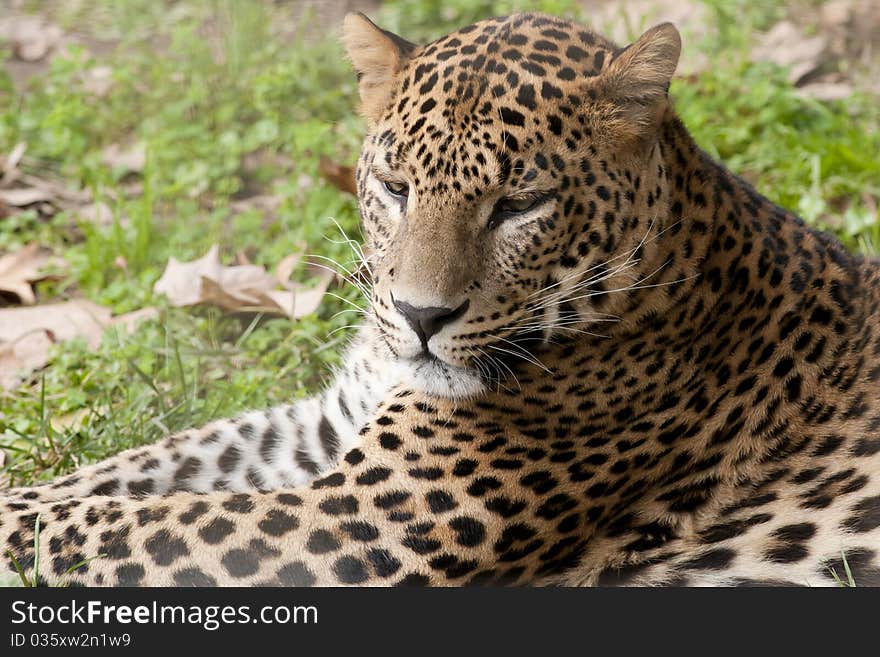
523	353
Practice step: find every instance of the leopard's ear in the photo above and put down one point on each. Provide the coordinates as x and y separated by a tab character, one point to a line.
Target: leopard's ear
377	55
637	80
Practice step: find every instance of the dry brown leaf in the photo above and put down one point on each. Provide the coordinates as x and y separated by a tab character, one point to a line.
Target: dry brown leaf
22	356
182	282
21	197
240	299
129	321
98	80
826	90
308	299
9	164
57	190
65	320
239	288
70	421
787	45
27	334
340	176
246	282
130	158
31	37
33	191
15	156
286	267
20	269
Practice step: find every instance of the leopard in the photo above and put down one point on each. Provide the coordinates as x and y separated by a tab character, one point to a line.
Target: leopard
593	356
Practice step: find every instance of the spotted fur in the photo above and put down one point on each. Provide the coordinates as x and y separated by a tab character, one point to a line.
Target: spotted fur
594	357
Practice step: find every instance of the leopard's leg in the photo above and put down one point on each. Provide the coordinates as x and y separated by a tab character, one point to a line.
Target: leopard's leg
345	529
284	446
410	505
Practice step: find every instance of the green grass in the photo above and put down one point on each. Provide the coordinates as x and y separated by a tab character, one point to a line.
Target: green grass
847	580
21	578
33	581
230	101
818	159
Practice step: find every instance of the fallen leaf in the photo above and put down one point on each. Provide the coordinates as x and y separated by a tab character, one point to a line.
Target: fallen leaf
854	29
27	334
65	320
24	355
340	176
129	321
57	190
307	300
786	45
239	299
286	267
98	80
239	288
826	90
22	197
20	269
10	163
45	195
131	158
31	37
299	299
70	421
835	13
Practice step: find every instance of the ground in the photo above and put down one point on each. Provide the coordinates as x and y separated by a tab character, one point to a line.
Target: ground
153	130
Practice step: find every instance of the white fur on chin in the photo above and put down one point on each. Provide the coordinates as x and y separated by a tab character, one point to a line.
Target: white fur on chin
436	378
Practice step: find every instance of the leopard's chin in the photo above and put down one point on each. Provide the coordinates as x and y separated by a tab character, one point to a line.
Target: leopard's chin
435	377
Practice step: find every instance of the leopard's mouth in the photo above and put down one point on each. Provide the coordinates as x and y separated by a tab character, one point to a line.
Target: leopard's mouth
490	366
434	376
455	368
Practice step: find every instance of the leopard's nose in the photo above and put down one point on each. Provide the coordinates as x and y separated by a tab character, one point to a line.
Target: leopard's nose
428	320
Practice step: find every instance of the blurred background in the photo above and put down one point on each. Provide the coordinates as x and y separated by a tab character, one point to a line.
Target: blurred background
173	174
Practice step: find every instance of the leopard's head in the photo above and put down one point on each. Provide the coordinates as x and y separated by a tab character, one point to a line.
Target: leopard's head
508	183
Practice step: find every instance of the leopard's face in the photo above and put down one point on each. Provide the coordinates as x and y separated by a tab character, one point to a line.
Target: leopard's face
503	191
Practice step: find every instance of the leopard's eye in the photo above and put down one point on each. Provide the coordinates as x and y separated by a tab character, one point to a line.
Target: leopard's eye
517	205
398	189
513	206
